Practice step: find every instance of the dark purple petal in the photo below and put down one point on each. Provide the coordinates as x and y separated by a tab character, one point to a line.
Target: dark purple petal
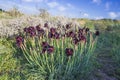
26	30
69	51
80	31
44	50
50	49
19	40
82	38
38	27
31	29
45	44
50	35
53	30
67	26
87	29
41	32
32	34
97	33
46	25
75	40
57	36
70	34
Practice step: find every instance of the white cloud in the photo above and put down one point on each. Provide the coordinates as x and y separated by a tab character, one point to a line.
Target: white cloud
61	8
58	6
27	0
96	1
85	15
21	7
33	0
52	4
114	15
99	17
28	9
70	5
107	5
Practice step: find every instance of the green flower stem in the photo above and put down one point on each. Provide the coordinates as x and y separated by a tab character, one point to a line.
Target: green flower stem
25	54
52	62
47	64
62	59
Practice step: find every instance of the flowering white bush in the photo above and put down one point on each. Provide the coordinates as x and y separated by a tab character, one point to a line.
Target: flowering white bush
9	27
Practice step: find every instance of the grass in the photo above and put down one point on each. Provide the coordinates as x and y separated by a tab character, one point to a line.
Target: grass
8	64
108	50
14	66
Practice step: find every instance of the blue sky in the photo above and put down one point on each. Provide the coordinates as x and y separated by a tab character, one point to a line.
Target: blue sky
93	9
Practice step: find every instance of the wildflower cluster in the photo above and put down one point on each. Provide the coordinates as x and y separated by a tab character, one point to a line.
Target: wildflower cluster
52	51
76	37
47	47
53	33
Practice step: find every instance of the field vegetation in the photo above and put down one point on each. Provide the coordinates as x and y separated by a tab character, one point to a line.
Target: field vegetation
45	47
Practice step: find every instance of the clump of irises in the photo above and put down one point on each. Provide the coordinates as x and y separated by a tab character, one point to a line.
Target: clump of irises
56	55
